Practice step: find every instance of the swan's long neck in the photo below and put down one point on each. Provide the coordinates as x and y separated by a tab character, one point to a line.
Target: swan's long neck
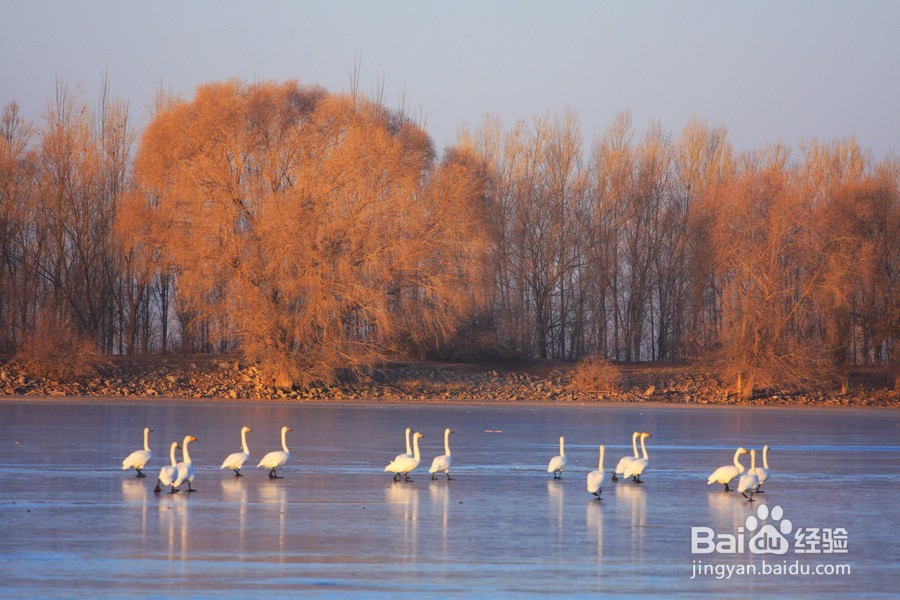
184	450
644	448
244	441
447	442
562	446
753	461
172	454
408	449
416	447
284	441
602	452
634	438
765	457
737	462
147	439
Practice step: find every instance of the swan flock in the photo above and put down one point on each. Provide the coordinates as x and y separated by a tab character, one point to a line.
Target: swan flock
633	466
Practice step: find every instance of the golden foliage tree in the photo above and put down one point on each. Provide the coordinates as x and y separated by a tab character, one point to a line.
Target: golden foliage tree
313	229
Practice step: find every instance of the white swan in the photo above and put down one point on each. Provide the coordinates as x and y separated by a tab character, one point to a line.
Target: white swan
636	467
441	464
623	462
185	467
749	482
558	463
403	465
595	478
728	472
277	458
138	459
236	460
763	472
168	473
408	447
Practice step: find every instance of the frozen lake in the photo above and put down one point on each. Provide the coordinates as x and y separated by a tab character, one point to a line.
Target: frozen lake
75	525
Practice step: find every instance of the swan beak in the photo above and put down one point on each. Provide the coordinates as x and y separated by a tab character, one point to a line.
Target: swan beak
193	439
178	447
290	428
249	430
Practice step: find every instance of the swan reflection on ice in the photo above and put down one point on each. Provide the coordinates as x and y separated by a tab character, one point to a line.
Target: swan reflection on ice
403	501
134	492
635	498
174	518
234	492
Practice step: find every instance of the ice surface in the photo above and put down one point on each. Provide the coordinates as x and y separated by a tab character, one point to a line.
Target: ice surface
74	524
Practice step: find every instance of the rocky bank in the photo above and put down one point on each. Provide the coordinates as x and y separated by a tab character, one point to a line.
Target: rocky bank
217	377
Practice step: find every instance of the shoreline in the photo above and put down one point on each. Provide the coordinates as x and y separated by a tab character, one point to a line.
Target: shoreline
223	380
648	404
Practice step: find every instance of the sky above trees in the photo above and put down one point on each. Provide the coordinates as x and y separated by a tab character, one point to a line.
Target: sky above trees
768	71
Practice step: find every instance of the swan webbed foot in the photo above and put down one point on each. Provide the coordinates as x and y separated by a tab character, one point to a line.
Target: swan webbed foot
157	489
557	475
139	473
727	489
190	489
448	476
173	490
637	480
433	476
406	478
760	492
237	473
396	477
614	478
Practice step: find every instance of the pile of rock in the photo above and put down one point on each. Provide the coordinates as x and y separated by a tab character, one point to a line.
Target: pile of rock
218	378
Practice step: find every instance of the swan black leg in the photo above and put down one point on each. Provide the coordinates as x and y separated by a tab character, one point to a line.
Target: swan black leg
396	477
406	477
448	476
637	479
433	476
727	489
237	473
274	475
173	490
190	489
139	473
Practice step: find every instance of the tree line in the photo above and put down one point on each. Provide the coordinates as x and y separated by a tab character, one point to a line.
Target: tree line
316	233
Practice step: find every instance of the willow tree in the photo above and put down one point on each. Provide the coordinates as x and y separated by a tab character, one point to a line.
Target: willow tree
302	225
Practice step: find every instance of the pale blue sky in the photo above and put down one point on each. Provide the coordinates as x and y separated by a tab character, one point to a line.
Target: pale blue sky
776	71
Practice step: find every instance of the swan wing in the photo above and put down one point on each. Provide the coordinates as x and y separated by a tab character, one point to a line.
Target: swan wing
235	460
557	463
440	464
748	482
722	475
623	463
273	459
167	475
182	473
635	467
594	480
137	459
